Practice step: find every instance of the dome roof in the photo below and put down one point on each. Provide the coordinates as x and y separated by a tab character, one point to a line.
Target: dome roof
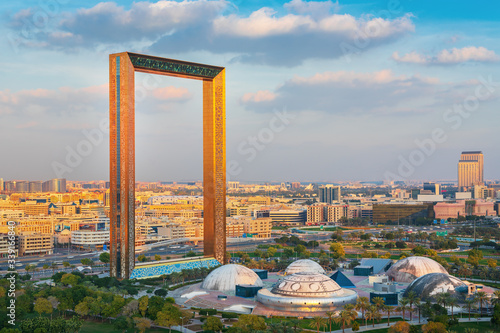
307	284
430	284
408	269
225	278
304	265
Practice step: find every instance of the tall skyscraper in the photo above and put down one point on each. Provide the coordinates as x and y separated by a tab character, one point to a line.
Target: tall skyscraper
470	170
329	193
1	184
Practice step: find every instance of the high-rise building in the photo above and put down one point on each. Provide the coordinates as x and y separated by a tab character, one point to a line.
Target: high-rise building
329	193
54	185
470	170
1	184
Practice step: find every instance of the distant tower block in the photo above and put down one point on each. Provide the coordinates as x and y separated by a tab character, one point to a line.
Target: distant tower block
470	170
122	68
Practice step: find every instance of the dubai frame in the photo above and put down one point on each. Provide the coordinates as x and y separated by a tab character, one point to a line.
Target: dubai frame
122	68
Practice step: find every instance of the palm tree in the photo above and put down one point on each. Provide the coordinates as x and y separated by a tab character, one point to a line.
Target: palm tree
379	302
373	313
54	267
295	325
496	300
362	304
389	309
470	303
412	296
452	302
403	306
442	298
317	322
481	297
346	316
420	307
330	316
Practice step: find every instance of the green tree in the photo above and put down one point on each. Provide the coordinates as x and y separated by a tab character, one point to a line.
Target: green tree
82	309
70	279
122	323
400	327
404	305
42	305
337	250
373	313
142	324
330	316
317	322
104	257
271	251
412	297
346	316
470	304
87	261
157	257
250	323
143	305
482	298
169	316
362	304
212	324
142	258
434	327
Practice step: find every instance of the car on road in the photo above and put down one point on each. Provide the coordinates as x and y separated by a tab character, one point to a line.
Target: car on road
71	257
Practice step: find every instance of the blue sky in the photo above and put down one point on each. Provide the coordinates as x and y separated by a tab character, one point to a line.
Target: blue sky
316	91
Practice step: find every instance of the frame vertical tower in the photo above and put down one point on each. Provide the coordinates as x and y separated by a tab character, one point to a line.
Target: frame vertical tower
122	153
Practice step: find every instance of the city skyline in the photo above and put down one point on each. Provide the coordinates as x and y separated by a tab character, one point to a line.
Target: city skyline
316	91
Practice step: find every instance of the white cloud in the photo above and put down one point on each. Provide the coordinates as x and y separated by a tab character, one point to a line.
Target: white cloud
447	57
309	30
259	96
172	93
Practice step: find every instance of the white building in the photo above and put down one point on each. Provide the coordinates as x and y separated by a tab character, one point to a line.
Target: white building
89	239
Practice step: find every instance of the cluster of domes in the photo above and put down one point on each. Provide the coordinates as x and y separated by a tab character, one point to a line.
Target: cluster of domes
408	269
431	284
306	288
225	278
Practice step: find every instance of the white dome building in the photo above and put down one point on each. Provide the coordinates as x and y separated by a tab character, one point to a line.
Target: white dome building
306	292
304	265
408	269
427	286
225	278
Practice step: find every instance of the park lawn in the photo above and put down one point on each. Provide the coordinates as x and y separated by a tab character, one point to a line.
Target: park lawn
486	252
98	327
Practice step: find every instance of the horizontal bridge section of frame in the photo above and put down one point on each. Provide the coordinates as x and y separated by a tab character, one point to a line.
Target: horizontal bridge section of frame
156	65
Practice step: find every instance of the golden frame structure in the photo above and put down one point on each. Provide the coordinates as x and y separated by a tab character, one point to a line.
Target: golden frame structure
122	68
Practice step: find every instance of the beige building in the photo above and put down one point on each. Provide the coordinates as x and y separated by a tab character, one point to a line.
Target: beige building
333	213
4	245
258	228
316	213
470	170
264	201
35	243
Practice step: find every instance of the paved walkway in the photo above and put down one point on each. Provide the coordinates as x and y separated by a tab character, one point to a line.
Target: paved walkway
414	322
